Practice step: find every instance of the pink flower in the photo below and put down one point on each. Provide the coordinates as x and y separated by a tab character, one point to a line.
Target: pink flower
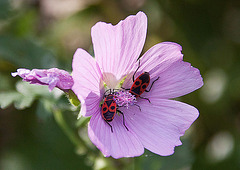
52	77
159	125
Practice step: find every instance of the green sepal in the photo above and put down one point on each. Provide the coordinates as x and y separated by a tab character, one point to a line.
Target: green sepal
73	98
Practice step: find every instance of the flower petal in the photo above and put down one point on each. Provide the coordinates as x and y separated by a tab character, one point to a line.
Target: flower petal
160	57
53	77
118	47
156	60
52	84
119	143
63	78
88	85
22	72
177	80
160	123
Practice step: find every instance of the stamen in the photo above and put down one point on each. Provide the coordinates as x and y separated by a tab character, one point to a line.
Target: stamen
124	99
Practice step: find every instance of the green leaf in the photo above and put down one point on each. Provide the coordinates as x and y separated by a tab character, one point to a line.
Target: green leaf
32	90
4	9
24	102
25	53
19	100
25	95
7	98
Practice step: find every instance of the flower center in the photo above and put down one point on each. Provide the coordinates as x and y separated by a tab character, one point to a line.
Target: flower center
124	98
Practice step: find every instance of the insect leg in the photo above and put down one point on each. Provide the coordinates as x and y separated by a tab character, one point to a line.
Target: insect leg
109	125
123	119
151	85
138	106
145	99
136	71
124	88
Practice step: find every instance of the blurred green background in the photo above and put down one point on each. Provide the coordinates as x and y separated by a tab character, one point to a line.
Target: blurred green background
38	129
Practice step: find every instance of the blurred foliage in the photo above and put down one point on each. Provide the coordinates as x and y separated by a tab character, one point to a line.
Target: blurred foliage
46	33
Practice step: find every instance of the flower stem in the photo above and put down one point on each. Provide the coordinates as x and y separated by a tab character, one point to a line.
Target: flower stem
73	136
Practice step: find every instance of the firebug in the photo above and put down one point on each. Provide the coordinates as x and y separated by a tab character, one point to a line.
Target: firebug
109	109
141	83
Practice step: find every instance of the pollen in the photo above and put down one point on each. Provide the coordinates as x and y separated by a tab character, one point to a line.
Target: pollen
124	98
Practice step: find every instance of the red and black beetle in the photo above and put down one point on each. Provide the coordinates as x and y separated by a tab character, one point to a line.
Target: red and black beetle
140	84
109	109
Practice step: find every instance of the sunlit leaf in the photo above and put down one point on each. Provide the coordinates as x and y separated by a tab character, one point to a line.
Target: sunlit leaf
7	98
32	89
25	95
24	102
